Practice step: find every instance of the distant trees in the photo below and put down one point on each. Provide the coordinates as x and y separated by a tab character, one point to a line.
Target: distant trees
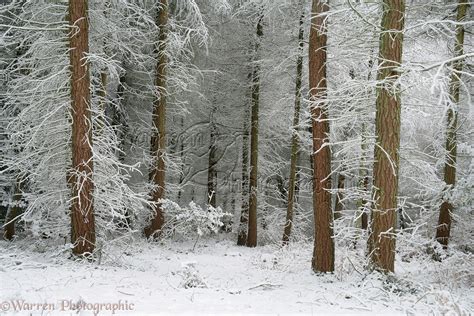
323	253
80	178
445	213
387	122
84	126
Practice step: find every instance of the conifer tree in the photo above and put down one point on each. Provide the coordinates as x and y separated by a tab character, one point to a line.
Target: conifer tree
387	132
445	213
323	253
80	178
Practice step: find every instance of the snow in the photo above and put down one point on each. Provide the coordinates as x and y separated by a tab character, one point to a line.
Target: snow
219	277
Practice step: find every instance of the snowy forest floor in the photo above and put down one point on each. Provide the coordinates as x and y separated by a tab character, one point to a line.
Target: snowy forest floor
222	278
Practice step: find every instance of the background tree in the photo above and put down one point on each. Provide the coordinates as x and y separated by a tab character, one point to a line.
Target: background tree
253	183
295	139
445	213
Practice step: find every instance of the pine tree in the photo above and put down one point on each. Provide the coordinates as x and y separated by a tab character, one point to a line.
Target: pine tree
244	213
444	222
252	220
294	138
323	253
13	211
212	160
338	205
387	122
80	177
158	139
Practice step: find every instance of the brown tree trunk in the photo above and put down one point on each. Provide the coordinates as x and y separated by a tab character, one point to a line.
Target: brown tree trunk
13	211
252	221
80	177
323	253
294	138
244	213
339	206
387	145
444	222
158	139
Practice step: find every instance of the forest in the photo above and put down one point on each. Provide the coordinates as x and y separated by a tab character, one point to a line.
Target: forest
236	157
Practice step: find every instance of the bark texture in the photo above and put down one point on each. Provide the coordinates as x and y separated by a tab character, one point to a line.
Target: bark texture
294	139
323	253
80	178
158	139
252	220
443	230
387	129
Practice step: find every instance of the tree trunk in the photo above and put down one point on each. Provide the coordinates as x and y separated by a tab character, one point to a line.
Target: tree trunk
444	222
297	184
363	181
365	216
339	206
80	177
158	139
212	161
294	138
182	160
363	173
387	145
13	211
102	100
244	213
102	92
119	120
252	220
323	253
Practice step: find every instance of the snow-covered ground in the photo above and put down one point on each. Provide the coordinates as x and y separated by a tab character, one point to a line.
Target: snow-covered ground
218	277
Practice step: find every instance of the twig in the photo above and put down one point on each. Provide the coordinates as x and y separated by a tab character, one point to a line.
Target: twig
265	286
